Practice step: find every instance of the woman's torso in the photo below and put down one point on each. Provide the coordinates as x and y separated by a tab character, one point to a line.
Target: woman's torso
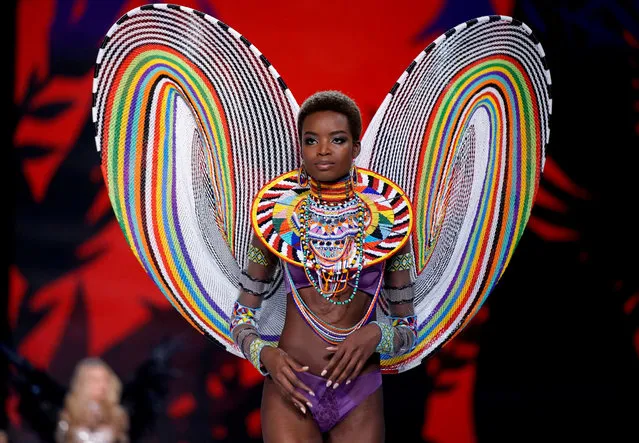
302	343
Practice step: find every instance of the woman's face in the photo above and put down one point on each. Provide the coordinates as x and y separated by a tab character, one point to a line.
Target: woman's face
328	148
96	383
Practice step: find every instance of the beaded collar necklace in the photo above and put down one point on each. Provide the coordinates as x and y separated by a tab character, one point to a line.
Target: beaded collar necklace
332	220
331	193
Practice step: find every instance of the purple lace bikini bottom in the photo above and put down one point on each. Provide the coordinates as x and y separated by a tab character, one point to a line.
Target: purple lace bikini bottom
330	405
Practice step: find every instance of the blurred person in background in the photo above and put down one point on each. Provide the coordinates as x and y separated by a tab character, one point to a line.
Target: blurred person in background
92	411
96	407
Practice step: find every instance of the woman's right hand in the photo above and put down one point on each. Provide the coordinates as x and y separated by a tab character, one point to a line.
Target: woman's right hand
282	369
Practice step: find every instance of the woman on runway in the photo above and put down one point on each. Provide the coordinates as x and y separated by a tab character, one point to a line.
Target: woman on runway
324	375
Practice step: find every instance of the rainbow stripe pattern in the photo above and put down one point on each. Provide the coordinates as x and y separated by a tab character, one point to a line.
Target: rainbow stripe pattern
174	136
469	120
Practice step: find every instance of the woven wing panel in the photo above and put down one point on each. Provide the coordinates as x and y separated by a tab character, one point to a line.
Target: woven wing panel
463	132
191	121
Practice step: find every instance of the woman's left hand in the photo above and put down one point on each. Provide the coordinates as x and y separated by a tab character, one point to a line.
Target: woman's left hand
350	356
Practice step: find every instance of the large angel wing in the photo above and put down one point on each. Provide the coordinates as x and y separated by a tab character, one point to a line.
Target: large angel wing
191	120
463	132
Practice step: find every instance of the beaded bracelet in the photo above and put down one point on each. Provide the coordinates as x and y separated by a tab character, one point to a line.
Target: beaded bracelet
386	342
255	349
257	256
407	324
400	262
243	315
400	295
254	286
409	321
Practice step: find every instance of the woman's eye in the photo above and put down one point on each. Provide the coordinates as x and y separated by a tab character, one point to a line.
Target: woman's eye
309	141
339	140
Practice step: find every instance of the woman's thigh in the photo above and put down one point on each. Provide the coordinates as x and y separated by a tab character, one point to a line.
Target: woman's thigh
365	423
282	422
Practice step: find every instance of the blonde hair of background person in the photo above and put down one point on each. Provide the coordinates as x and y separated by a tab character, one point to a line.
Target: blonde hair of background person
92	410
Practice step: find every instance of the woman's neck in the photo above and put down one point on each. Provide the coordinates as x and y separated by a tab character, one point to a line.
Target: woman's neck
331	193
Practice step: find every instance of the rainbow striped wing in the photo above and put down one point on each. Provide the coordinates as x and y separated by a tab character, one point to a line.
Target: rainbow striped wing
463	132
191	120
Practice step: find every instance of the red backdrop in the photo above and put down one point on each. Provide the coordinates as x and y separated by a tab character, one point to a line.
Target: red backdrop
77	290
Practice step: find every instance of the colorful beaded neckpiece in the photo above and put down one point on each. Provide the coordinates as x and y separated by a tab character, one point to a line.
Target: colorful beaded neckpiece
279	205
332	220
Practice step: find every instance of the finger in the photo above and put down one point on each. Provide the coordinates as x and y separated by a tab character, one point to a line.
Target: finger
339	369
356	371
287	381
348	370
295	381
333	361
293	394
299	406
330	349
295	364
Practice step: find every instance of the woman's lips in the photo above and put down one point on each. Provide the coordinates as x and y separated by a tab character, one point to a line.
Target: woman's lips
324	166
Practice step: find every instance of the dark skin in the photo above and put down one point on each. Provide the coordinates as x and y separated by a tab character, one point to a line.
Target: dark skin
328	151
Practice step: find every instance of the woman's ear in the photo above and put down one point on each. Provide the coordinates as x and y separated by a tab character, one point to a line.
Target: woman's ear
357	147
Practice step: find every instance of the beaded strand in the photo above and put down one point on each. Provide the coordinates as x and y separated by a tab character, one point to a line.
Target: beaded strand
309	258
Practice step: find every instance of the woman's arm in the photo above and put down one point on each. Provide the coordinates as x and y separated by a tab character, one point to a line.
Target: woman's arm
400	336
255	283
397	338
268	360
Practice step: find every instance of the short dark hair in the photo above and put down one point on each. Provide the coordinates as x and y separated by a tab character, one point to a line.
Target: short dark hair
332	101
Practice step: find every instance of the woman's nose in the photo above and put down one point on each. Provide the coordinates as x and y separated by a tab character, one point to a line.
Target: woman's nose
323	148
